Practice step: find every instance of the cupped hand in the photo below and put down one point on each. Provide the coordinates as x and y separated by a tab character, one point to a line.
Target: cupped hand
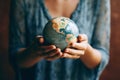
77	49
48	52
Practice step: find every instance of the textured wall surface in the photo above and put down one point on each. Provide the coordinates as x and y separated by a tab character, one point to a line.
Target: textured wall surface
112	72
6	72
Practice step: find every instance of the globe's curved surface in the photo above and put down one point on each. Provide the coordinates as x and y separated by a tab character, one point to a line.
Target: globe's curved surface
60	31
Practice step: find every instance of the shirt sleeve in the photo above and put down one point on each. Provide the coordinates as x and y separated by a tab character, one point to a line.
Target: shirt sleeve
101	36
16	30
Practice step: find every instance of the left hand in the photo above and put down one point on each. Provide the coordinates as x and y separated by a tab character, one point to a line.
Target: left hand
76	50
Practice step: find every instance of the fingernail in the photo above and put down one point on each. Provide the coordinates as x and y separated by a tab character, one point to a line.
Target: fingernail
53	46
66	50
59	49
61	54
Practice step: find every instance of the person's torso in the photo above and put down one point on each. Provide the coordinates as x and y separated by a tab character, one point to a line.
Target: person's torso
84	16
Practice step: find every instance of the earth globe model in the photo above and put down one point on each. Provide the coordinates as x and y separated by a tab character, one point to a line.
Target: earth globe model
61	32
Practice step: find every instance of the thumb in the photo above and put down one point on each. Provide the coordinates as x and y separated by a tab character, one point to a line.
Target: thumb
40	39
82	37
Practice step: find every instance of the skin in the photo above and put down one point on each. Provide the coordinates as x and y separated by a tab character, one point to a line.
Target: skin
83	51
27	57
61	7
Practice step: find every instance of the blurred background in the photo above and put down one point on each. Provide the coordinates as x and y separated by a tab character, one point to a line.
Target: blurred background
112	71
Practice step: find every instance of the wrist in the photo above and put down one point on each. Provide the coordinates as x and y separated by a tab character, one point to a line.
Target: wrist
91	58
86	51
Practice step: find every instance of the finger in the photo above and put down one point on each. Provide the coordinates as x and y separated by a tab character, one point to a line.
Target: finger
57	55
82	37
74	51
46	49
80	46
66	55
53	52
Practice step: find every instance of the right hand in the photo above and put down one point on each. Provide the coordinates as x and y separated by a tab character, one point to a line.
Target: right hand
48	52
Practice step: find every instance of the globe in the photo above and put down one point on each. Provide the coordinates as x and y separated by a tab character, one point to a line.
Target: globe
61	32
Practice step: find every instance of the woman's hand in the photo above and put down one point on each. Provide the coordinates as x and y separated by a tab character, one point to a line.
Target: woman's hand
82	50
48	52
27	57
76	50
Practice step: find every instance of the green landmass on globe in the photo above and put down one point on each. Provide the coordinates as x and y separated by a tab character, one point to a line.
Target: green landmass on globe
60	31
